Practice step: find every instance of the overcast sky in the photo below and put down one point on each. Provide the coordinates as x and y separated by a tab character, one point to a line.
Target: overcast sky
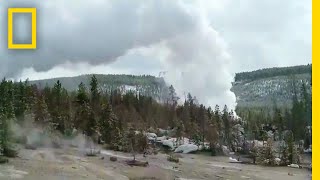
258	34
205	40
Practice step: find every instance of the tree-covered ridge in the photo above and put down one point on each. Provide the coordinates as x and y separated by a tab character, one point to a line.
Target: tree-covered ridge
145	84
71	83
257	88
273	72
263	92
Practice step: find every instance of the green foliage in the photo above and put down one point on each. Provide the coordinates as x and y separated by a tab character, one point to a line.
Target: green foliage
291	149
226	125
147	85
256	88
266	154
140	143
196	138
284	156
262	92
271	72
7	117
108	126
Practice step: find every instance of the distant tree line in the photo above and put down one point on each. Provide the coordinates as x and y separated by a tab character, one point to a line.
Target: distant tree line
271	72
145	84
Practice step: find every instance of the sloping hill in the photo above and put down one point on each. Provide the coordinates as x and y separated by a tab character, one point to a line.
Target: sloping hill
146	85
258	88
267	86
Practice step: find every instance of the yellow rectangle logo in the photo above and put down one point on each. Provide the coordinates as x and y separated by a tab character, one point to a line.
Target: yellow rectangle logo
33	12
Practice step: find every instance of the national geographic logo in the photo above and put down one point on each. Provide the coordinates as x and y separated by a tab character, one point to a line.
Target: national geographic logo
33	12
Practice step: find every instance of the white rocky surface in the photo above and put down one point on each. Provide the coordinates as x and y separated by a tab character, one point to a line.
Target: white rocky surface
186	148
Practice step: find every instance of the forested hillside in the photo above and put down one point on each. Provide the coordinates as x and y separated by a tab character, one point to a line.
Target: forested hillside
273	72
264	88
145	84
260	88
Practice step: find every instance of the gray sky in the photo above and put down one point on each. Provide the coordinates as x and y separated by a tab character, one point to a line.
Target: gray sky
258	34
200	42
266	33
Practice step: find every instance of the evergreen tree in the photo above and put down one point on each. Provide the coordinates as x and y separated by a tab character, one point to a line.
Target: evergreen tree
40	111
4	132
108	126
297	118
279	121
173	102
186	119
83	110
266	154
306	101
180	132
212	132
95	94
203	121
7	117
293	155
217	119
56	106
226	124
20	101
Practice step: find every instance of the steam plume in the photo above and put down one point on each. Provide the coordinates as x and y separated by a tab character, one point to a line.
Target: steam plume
99	32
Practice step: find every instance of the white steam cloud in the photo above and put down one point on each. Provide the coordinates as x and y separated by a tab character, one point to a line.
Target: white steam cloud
176	33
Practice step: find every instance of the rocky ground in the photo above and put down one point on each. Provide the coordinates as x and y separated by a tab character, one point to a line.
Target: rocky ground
70	163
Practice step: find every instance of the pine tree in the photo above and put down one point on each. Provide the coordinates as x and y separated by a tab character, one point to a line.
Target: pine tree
212	132
7	117
226	123
40	111
95	94
203	121
297	112
56	106
306	101
108	126
20	101
284	155
66	112
180	132
308	138
172	102
4	139
186	119
291	149
83	110
266	154
91	109
173	98
218	122
279	121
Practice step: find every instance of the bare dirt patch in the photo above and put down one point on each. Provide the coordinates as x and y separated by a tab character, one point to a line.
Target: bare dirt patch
70	163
